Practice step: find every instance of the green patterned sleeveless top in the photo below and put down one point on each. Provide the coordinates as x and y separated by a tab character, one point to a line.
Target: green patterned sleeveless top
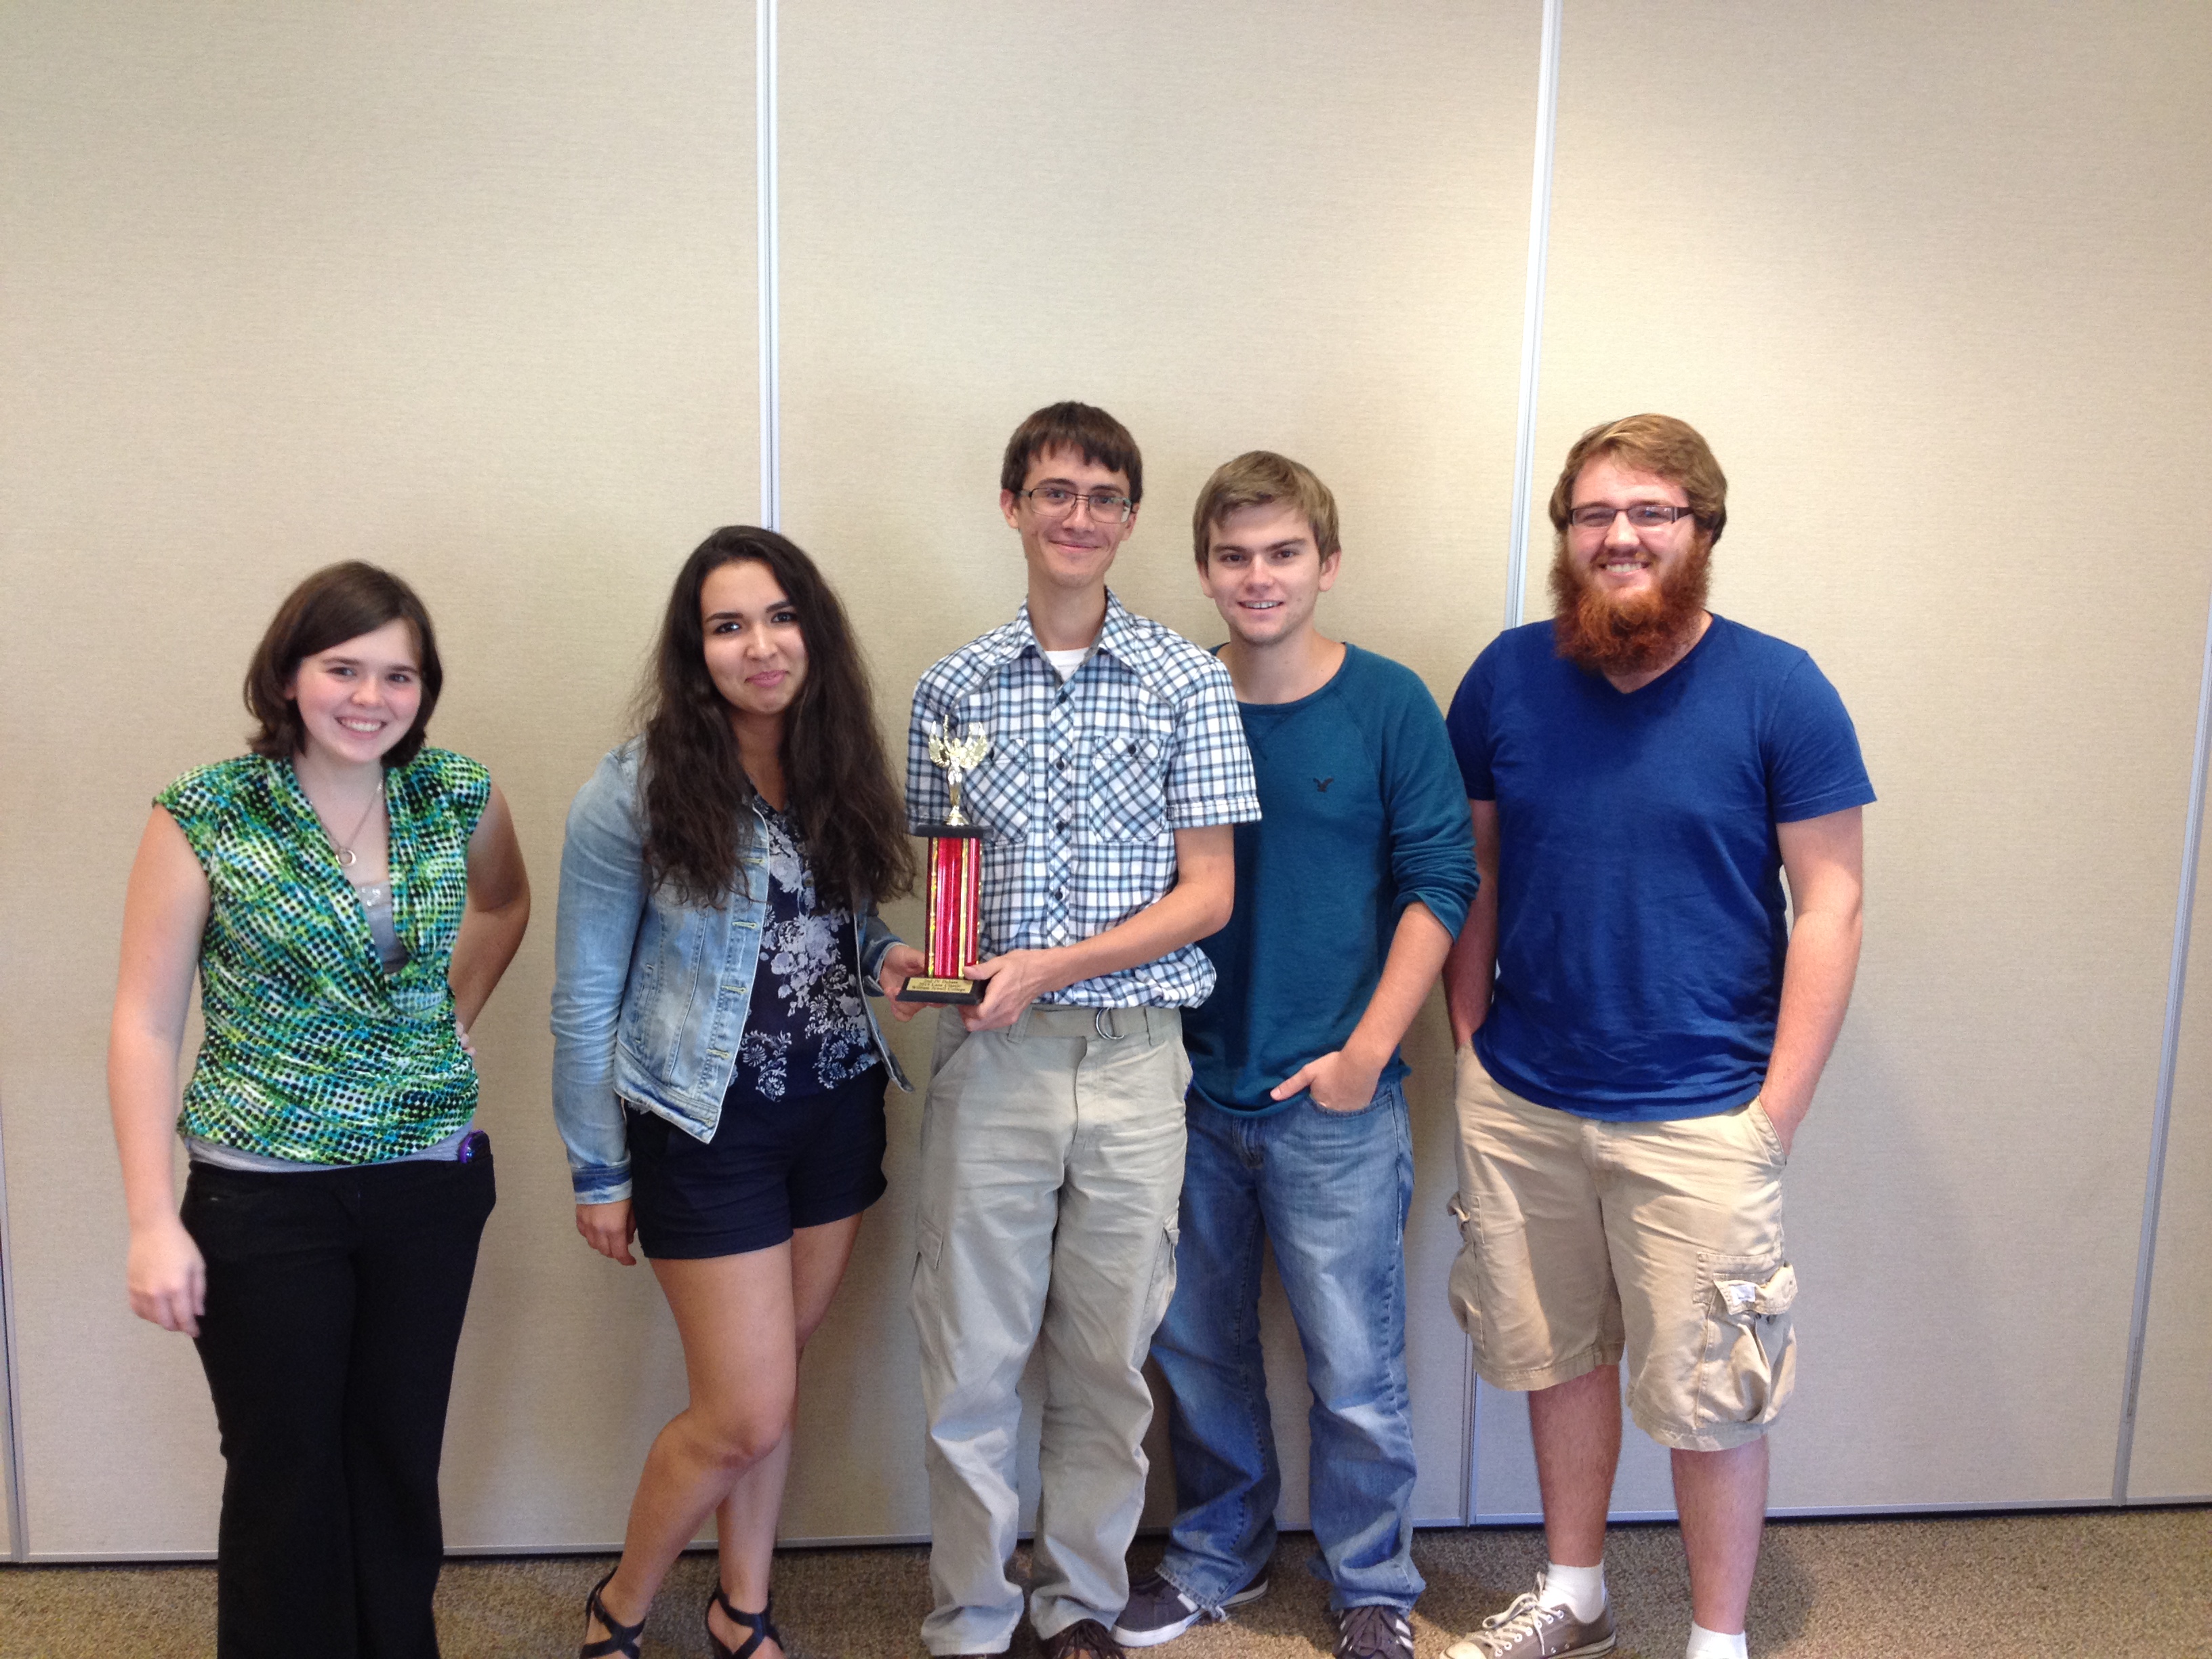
313	1052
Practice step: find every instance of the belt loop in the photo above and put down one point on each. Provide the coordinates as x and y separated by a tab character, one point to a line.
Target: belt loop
1152	1025
1020	1028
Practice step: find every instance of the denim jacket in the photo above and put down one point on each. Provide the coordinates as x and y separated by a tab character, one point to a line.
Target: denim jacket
650	995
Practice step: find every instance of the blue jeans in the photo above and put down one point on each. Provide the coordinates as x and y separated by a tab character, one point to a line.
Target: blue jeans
1331	1190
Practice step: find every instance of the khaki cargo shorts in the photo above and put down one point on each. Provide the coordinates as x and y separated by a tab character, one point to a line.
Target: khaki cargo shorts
1582	1240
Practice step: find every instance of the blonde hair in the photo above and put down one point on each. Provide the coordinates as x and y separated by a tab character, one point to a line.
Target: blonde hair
1254	479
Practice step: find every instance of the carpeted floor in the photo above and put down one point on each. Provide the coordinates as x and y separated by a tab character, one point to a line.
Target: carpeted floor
2137	1583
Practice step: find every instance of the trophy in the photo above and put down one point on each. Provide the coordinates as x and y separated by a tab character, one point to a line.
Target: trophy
956	878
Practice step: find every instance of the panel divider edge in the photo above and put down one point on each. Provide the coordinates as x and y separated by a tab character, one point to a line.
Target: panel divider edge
11	1415
2162	1107
1524	459
771	389
1532	320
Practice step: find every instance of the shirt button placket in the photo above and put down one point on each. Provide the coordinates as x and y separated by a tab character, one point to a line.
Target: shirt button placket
1060	808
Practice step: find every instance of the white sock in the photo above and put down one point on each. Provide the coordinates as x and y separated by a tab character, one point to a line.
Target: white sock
1581	1591
1711	1645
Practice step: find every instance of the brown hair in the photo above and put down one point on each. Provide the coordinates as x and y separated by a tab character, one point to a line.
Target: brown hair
339	602
697	797
1657	444
1092	433
1254	479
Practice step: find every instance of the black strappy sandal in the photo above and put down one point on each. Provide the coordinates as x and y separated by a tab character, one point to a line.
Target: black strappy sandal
760	1624
620	1638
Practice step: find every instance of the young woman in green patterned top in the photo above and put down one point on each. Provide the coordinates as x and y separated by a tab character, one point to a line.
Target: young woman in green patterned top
348	898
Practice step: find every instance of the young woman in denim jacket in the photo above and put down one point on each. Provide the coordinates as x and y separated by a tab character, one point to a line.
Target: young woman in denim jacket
718	1074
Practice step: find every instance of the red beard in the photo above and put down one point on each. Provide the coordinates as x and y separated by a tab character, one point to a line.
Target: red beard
1595	631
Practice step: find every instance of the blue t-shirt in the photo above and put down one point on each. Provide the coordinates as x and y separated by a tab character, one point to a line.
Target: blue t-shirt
1362	816
1640	920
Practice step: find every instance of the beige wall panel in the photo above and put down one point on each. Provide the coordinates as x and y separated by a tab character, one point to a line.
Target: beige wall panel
467	289
1234	227
2172	1457
1931	279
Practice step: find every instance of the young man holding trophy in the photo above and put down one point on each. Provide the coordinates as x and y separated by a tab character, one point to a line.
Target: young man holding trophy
1349	892
1100	764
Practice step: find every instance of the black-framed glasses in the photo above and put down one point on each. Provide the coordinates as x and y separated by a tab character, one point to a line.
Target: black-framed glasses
1642	515
1055	500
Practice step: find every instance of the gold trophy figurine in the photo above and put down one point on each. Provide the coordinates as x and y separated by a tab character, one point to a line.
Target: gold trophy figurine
958	756
956	878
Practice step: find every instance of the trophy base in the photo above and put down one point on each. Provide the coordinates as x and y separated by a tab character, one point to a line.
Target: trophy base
926	988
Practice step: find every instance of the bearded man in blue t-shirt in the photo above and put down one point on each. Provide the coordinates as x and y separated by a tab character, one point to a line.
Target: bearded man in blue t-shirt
1647	1024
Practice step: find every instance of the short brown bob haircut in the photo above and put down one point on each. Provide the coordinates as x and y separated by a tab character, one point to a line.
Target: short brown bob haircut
1091	433
339	602
1257	478
1657	444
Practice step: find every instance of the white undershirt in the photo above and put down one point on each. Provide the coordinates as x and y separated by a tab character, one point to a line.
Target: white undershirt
1065	663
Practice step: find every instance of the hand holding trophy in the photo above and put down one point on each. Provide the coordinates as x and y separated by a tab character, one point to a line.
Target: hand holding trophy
956	878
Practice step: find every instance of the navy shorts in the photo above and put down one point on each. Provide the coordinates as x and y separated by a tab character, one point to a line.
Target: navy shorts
773	1166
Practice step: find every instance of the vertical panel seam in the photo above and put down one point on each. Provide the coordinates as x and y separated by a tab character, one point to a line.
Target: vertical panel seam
2162	1107
764	112
1517	546
19	1526
1531	319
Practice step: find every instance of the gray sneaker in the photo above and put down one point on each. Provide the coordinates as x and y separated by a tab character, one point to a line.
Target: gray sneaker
1158	1612
1526	1631
1374	1632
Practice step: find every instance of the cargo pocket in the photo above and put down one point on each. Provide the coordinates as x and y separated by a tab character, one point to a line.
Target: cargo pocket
1749	1362
928	1315
929	1246
1463	1287
1159	1293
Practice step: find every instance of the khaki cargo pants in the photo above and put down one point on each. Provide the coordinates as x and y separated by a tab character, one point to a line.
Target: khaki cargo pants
1051	1168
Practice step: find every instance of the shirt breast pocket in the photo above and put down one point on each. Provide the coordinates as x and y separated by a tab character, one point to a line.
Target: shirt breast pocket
1127	782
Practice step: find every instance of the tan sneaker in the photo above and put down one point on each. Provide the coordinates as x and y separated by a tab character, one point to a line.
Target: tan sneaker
1527	1631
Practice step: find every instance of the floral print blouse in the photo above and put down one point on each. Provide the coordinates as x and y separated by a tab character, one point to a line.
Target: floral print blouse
806	1031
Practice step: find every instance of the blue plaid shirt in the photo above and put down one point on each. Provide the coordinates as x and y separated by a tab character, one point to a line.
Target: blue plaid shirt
1084	786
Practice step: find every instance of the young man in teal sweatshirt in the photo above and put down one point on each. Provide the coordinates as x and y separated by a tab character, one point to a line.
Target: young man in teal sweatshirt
1350	890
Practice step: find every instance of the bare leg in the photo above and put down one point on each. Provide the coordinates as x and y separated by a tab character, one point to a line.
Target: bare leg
1722	1497
1577	1429
738	1324
745	1521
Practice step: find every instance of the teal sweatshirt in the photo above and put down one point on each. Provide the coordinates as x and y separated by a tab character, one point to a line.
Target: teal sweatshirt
1362	814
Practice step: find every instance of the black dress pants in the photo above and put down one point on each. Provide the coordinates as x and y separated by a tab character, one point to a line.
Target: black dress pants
334	1307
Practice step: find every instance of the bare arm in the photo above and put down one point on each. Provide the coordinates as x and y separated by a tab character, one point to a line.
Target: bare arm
498	911
165	911
1823	858
1344	1080
1198	904
1473	965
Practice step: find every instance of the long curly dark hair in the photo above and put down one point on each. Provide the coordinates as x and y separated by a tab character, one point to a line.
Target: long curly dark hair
697	797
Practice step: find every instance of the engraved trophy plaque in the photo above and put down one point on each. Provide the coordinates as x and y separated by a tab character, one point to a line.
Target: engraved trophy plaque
956	879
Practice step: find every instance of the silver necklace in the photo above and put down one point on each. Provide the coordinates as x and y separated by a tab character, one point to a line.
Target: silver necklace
344	848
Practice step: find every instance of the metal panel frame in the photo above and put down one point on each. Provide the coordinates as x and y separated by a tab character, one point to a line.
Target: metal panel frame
771	385
2162	1103
11	1443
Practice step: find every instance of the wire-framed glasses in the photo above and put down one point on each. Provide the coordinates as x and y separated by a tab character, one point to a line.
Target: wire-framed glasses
1642	516
1057	501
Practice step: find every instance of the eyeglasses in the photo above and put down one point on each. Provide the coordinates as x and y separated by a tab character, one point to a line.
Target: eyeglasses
1642	515
1054	501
